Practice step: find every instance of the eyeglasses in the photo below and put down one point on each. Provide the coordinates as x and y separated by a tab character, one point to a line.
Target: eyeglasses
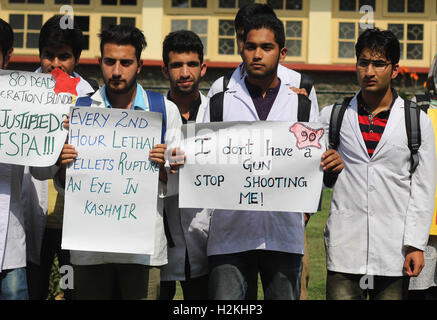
379	65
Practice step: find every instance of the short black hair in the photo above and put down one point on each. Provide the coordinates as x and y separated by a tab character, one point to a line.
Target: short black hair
181	41
124	35
269	22
383	42
6	38
249	10
53	35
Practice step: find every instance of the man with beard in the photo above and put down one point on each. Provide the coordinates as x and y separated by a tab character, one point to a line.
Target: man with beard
187	260
243	243
107	276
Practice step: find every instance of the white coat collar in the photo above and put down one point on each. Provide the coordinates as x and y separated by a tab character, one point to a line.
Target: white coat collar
392	123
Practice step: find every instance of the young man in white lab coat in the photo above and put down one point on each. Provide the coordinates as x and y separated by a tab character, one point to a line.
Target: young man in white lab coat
13	279
44	207
105	275
380	213
187	228
287	75
13	283
243	243
291	76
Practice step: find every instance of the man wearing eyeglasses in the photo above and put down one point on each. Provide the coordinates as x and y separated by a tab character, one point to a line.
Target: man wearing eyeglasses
381	210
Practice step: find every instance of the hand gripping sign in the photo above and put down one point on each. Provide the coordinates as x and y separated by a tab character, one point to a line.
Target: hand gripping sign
267	166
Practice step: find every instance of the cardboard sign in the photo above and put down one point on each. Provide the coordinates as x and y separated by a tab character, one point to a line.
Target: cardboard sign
31	118
111	188
267	166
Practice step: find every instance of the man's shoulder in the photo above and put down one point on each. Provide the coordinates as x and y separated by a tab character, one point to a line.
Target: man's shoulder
289	76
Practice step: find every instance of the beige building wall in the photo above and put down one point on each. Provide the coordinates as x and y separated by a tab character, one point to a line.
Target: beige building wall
319	32
152	22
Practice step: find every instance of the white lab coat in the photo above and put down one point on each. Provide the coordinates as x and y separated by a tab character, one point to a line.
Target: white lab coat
12	229
377	210
189	232
288	75
234	231
159	257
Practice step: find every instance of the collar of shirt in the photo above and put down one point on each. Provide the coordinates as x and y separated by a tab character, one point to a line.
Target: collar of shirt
255	92
138	103
363	109
263	105
194	108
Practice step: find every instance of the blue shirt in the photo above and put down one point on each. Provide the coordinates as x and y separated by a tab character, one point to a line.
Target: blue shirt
138	104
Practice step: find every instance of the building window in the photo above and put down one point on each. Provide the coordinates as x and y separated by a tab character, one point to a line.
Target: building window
188	3
411	38
119	2
348	33
285	4
233	4
404	6
198	26
27	1
293	38
355	5
108	21
83	2
26	29
226	40
346	37
83	22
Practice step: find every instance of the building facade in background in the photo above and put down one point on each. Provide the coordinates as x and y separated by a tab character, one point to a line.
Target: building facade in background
320	34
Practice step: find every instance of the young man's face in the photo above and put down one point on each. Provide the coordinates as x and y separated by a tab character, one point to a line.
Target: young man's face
261	53
120	67
62	58
375	72
184	72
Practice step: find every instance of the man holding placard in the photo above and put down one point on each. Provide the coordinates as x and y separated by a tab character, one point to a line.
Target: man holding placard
187	232
241	243
106	275
13	284
60	49
299	83
383	201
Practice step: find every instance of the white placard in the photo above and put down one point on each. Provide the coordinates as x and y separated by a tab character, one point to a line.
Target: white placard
111	188
31	118
266	166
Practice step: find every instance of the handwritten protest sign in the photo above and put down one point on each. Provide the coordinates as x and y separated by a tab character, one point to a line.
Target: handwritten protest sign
267	166
31	118
111	188
432	113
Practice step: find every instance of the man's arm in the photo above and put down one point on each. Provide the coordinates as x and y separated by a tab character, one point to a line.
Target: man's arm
421	205
169	184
